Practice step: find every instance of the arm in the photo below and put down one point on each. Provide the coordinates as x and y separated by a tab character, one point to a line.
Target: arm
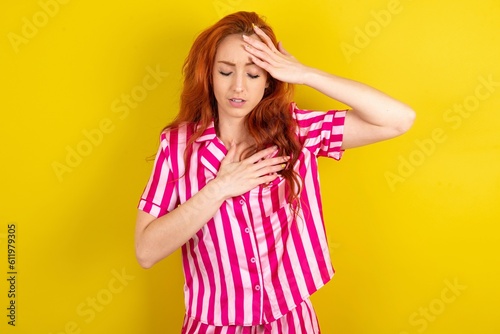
375	116
156	238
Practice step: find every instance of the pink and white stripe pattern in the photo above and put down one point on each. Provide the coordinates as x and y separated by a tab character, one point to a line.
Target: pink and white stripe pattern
252	262
300	320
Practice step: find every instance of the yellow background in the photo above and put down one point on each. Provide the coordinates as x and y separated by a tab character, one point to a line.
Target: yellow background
413	222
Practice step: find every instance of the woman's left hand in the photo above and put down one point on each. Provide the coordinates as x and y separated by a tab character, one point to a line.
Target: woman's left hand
277	62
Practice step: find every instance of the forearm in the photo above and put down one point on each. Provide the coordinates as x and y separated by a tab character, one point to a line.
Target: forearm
374	117
159	238
369	104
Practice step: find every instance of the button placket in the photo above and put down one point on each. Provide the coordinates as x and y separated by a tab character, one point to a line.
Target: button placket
242	200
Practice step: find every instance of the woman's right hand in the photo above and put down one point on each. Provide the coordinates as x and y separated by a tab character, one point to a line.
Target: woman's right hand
237	177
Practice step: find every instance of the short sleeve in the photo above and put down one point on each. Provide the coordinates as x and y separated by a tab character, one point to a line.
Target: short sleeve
320	132
160	195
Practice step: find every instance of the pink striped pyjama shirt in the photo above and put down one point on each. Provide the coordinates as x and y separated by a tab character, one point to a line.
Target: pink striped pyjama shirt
252	263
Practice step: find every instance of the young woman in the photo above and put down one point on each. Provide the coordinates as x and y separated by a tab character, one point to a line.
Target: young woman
235	181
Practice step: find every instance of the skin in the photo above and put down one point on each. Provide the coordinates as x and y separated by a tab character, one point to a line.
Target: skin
236	76
374	117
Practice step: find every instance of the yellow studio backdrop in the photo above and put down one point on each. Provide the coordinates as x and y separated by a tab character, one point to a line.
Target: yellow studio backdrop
86	87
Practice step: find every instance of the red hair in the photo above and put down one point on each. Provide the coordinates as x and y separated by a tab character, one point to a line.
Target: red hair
269	123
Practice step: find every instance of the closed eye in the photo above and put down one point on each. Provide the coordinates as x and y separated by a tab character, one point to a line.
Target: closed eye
251	76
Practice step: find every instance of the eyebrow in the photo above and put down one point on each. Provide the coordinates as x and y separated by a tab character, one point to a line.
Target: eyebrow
233	64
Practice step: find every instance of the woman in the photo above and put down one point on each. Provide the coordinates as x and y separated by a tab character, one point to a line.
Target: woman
235	180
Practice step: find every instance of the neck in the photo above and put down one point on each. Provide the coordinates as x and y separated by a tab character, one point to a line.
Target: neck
234	132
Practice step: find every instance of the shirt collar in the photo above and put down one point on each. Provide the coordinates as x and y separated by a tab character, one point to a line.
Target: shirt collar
209	134
212	150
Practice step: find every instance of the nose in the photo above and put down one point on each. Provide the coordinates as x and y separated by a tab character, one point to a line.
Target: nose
239	83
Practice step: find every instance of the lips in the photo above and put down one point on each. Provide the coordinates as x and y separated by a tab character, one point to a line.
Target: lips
235	102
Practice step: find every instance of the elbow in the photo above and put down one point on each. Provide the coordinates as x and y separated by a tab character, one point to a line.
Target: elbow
148	256
406	120
144	258
145	264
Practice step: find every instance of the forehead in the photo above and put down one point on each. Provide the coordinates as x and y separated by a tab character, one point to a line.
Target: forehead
231	48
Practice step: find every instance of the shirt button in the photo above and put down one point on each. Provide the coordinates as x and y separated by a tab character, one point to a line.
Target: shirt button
242	202
257	287
252	260
247	230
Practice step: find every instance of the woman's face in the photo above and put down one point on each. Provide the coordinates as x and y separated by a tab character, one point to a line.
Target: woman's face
238	83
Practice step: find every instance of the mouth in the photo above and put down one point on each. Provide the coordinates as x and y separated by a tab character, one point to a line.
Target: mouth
237	103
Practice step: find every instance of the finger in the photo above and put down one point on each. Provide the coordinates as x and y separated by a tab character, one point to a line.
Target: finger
261	63
267	166
273	161
272	169
261	59
259	48
267	40
271	165
283	50
256	157
255	51
266	179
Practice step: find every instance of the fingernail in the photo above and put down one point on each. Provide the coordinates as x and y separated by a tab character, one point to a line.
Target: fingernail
245	36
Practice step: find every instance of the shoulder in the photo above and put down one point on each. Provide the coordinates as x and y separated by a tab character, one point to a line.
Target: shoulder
177	135
307	118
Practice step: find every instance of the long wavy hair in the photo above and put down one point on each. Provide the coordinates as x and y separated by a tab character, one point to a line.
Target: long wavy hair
269	123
